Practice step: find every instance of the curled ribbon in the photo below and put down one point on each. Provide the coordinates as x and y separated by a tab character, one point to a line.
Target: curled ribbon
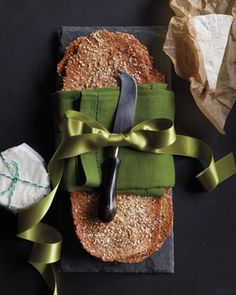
47	240
82	134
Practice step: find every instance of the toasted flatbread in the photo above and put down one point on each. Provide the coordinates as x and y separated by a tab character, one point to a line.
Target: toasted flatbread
135	233
93	61
140	227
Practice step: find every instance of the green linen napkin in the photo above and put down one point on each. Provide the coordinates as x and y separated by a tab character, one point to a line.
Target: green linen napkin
140	173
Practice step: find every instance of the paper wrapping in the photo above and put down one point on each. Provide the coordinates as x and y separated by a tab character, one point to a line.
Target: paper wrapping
23	178
201	42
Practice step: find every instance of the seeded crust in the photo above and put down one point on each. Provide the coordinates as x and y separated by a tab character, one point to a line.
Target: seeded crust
166	224
139	228
92	62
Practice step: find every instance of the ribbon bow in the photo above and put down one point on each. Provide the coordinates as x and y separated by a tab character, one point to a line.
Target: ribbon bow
82	134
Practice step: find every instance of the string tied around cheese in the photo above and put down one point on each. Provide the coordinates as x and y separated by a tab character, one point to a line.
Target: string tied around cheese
14	177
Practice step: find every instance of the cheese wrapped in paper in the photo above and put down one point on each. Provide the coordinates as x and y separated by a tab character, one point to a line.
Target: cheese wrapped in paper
23	178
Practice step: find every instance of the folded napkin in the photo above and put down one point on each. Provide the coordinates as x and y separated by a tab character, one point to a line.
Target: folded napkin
23	178
140	173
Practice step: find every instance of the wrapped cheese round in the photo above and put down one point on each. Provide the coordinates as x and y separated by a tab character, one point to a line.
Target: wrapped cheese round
23	177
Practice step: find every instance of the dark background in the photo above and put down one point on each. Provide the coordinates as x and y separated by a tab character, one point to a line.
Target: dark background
205	223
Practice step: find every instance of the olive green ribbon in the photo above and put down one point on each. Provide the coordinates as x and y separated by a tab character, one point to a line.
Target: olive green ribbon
47	240
82	134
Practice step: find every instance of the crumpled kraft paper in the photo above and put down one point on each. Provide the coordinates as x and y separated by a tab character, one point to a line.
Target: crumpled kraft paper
201	42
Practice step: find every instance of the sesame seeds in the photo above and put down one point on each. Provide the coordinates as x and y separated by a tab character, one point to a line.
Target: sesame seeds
99	56
136	228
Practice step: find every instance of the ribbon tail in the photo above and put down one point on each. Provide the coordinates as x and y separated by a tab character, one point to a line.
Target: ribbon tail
215	172
45	252
47	243
48	272
226	167
47	240
32	215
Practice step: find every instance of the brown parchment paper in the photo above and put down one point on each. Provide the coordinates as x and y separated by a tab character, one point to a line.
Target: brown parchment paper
181	46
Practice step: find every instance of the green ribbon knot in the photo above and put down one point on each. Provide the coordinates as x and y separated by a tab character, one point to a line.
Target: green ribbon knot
82	134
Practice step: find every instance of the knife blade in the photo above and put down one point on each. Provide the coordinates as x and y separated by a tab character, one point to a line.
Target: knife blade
123	122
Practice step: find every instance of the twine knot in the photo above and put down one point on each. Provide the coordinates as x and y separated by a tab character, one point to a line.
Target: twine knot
14	171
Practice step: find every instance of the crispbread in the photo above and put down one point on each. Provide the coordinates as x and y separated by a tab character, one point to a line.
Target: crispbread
92	62
139	228
166	224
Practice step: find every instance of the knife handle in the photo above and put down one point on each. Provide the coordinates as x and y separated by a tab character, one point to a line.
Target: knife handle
107	201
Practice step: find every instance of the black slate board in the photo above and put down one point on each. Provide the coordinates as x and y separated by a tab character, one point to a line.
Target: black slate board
74	258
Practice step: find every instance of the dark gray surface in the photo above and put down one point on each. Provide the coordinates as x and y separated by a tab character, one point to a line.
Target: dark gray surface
74	258
77	260
205	223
